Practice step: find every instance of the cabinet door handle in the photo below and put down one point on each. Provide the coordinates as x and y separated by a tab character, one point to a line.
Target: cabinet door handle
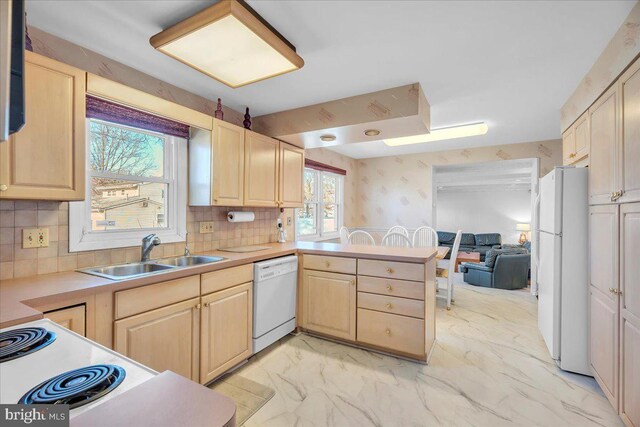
613	291
3	187
198	306
352	282
387	331
207	304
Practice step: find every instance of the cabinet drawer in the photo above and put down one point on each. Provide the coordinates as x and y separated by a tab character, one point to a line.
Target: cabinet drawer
145	298
330	263
403	306
394	270
398	288
399	333
223	279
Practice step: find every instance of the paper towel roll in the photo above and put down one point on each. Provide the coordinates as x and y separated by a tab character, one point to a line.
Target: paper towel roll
241	216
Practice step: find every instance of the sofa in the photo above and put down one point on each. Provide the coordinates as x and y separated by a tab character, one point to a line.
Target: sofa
470	242
503	268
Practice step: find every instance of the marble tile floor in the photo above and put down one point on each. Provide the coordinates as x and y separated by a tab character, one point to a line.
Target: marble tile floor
490	368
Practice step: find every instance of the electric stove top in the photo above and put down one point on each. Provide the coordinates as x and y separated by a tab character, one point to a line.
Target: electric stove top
46	363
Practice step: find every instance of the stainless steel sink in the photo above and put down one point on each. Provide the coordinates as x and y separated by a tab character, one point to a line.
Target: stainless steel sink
127	271
188	260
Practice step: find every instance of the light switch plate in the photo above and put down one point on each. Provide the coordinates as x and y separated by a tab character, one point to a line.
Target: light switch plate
206	227
35	238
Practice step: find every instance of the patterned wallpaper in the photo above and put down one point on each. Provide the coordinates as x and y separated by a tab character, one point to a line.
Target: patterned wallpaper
386	191
621	50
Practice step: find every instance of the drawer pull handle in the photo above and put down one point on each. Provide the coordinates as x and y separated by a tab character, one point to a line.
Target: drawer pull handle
389	305
389	288
3	187
387	331
389	270
327	263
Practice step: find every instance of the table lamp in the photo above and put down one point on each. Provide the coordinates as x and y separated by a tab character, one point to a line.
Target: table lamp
523	228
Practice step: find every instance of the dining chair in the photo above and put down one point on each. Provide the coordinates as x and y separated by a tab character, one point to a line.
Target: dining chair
425	237
344	235
398	229
396	239
445	275
360	237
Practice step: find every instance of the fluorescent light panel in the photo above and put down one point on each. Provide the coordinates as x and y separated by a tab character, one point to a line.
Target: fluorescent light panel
229	43
454	132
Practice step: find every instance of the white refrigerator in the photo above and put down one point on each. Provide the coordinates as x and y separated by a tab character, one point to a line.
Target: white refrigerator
563	271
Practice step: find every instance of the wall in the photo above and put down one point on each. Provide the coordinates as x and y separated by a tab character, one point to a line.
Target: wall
497	211
397	190
18	262
619	53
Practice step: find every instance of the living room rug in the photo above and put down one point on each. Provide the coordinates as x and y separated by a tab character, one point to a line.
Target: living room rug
248	395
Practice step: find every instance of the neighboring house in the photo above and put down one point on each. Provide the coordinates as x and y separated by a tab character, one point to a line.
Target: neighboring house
127	205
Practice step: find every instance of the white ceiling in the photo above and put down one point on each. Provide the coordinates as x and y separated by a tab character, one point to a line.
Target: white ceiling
511	64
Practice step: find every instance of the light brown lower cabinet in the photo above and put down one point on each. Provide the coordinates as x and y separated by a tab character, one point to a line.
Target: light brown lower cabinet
163	339
72	318
615	305
329	303
226	323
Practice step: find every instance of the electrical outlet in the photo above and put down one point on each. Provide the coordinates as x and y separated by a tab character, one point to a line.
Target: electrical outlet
35	238
288	220
206	227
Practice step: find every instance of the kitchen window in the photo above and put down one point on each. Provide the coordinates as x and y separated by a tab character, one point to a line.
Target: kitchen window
321	216
136	185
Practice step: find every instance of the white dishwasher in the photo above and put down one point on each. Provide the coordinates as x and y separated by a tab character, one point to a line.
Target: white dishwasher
274	300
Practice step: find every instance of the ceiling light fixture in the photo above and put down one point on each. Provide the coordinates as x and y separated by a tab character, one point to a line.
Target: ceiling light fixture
453	132
372	132
327	138
230	42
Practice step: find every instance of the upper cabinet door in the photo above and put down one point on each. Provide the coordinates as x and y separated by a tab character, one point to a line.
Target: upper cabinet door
228	164
568	146
629	87
581	131
291	174
261	170
604	117
45	160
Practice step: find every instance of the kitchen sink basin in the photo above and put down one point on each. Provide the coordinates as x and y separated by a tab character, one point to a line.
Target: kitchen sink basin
126	271
189	260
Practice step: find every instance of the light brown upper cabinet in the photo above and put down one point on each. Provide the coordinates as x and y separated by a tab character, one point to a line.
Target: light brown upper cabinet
604	136
261	165
629	172
568	145
45	160
216	165
291	175
581	127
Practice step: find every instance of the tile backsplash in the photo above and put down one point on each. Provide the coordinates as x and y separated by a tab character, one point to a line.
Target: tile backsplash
17	262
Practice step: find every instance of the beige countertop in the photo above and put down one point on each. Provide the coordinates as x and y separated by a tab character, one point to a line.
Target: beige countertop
166	400
18	297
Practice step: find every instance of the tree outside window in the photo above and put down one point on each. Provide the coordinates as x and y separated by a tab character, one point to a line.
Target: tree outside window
321	216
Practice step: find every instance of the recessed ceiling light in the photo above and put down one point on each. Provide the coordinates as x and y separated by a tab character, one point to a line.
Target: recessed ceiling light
328	138
230	42
453	132
372	132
